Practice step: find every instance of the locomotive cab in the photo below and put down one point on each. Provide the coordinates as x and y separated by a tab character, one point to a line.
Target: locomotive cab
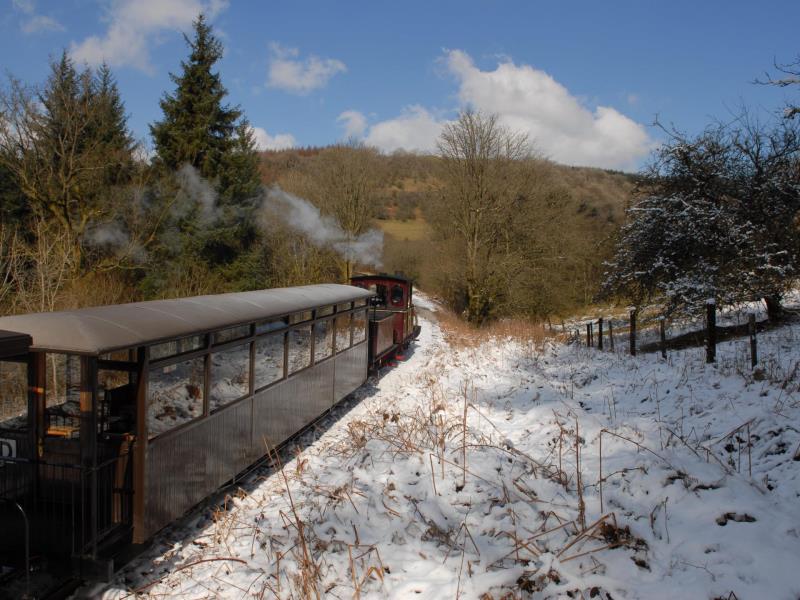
392	320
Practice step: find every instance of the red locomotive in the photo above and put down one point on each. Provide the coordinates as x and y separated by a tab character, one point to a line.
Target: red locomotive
392	321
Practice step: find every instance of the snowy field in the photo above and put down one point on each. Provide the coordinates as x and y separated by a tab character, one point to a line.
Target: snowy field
517	469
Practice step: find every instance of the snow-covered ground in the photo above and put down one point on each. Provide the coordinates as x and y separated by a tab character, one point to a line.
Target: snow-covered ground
698	495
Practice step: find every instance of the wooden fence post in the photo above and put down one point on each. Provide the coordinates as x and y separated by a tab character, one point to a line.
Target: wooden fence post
588	335
600	333
663	337
753	346
610	336
633	332
711	331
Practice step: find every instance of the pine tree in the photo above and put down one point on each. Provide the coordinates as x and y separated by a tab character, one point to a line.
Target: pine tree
197	127
239	176
110	127
215	140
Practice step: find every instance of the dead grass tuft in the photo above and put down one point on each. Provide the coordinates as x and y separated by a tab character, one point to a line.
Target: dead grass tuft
461	334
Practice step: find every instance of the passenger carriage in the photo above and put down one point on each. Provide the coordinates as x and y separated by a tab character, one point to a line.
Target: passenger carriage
115	420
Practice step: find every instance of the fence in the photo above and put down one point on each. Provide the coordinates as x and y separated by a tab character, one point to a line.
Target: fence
649	334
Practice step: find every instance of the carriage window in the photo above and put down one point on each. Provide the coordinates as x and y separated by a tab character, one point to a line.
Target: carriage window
233	333
266	326
300	317
230	376
116	392
127	355
175	395
174	347
344	306
342	332
361	302
269	359
397	295
63	389
359	327
299	348
323	339
324	311
13	395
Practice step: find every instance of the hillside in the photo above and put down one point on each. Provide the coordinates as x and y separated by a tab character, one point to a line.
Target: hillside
574	211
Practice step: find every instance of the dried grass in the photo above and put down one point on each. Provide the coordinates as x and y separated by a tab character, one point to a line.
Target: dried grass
461	335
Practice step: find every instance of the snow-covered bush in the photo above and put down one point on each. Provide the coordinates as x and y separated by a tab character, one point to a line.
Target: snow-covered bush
717	219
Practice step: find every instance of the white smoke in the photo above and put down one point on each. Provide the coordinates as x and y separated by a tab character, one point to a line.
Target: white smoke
108	234
195	189
323	230
114	236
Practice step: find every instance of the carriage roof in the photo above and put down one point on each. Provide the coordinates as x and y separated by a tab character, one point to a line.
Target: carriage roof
103	329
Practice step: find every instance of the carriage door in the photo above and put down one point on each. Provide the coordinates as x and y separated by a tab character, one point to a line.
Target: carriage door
116	399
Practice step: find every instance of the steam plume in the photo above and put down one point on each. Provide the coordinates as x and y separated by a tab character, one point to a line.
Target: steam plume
323	230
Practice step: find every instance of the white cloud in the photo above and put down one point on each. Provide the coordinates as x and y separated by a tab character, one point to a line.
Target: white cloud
39	23
415	129
133	25
527	100
26	6
353	122
34	23
289	73
530	100
265	141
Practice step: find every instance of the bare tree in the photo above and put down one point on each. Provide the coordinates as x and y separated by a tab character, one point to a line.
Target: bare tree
345	179
43	268
790	75
484	179
9	259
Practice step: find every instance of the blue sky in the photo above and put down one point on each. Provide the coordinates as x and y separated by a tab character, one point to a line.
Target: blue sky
584	79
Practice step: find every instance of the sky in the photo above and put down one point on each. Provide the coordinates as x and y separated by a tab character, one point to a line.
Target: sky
585	80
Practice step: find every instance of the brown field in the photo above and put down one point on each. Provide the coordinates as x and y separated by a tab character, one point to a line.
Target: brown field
413	231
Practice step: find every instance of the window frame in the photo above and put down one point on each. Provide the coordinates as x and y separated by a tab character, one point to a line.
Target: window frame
288	322
310	325
330	320
365	313
26	428
222	350
193	421
349	315
284	338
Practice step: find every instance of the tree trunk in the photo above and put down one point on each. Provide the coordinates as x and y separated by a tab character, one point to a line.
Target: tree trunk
775	311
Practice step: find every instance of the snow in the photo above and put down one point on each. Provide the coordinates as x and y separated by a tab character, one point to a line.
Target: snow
377	501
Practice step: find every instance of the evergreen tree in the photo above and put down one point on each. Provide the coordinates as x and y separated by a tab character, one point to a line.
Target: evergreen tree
213	140
65	145
197	127
110	128
239	177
